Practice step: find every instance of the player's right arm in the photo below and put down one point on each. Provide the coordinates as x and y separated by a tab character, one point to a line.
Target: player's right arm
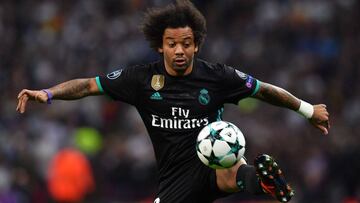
69	90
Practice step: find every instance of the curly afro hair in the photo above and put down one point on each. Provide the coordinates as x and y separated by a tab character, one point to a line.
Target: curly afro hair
181	14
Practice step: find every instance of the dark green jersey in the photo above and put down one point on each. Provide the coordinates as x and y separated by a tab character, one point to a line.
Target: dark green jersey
175	109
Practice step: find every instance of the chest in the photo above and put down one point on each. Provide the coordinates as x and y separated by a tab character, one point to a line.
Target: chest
181	98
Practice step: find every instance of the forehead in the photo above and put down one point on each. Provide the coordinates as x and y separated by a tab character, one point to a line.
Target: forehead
178	33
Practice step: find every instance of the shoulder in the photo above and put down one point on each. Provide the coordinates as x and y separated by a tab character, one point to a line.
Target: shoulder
210	66
133	73
214	68
142	69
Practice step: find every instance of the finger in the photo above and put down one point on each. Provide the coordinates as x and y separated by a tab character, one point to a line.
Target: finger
18	105
326	131
325	118
21	93
322	128
23	103
324	110
326	124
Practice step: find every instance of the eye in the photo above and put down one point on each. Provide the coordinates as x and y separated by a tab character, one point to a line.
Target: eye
171	44
187	45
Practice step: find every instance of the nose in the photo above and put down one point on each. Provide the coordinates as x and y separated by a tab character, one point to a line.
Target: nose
179	50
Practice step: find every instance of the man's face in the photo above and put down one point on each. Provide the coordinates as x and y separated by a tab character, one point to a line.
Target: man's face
178	48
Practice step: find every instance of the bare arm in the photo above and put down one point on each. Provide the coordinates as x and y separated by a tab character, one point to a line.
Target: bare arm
280	97
75	89
69	90
277	96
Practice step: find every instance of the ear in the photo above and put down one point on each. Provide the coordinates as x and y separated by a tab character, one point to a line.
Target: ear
160	50
196	48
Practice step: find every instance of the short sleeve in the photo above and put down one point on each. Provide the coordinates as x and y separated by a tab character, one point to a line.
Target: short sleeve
238	85
120	85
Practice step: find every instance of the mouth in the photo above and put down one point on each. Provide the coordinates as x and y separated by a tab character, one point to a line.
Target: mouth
180	61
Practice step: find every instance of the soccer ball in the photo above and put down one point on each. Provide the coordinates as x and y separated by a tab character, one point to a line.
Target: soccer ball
220	145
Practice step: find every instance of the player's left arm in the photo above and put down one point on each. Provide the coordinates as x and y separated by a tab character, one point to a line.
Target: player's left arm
317	114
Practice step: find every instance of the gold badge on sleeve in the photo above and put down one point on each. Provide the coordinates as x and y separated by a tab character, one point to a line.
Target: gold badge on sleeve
157	82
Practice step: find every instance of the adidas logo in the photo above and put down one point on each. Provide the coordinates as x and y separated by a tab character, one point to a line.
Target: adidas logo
156	96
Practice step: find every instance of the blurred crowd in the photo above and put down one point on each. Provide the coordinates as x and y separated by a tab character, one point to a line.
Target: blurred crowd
309	47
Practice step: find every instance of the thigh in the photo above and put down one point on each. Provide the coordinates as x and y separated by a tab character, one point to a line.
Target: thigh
226	178
195	184
205	186
211	191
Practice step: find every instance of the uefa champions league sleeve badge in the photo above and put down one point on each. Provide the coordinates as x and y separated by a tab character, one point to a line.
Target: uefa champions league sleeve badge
115	74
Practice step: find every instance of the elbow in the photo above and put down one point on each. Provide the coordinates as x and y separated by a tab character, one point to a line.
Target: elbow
93	88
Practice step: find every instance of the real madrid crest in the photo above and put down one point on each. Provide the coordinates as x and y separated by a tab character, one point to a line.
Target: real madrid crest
204	97
157	82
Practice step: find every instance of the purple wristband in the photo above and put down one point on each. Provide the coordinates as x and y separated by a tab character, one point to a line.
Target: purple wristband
50	96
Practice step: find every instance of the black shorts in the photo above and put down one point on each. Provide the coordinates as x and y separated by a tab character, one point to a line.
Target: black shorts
192	183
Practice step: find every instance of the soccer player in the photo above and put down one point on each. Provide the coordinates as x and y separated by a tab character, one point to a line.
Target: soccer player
176	97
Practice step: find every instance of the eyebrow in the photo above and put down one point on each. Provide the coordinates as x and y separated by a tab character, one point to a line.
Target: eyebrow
186	38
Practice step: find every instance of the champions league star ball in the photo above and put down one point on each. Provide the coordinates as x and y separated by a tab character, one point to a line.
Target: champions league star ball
220	145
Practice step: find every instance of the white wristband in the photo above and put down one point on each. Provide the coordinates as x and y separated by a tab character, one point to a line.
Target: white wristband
306	109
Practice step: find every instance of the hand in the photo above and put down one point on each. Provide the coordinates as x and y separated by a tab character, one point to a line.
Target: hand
320	118
25	95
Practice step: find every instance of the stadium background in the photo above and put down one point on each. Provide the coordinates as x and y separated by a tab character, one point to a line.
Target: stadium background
309	47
